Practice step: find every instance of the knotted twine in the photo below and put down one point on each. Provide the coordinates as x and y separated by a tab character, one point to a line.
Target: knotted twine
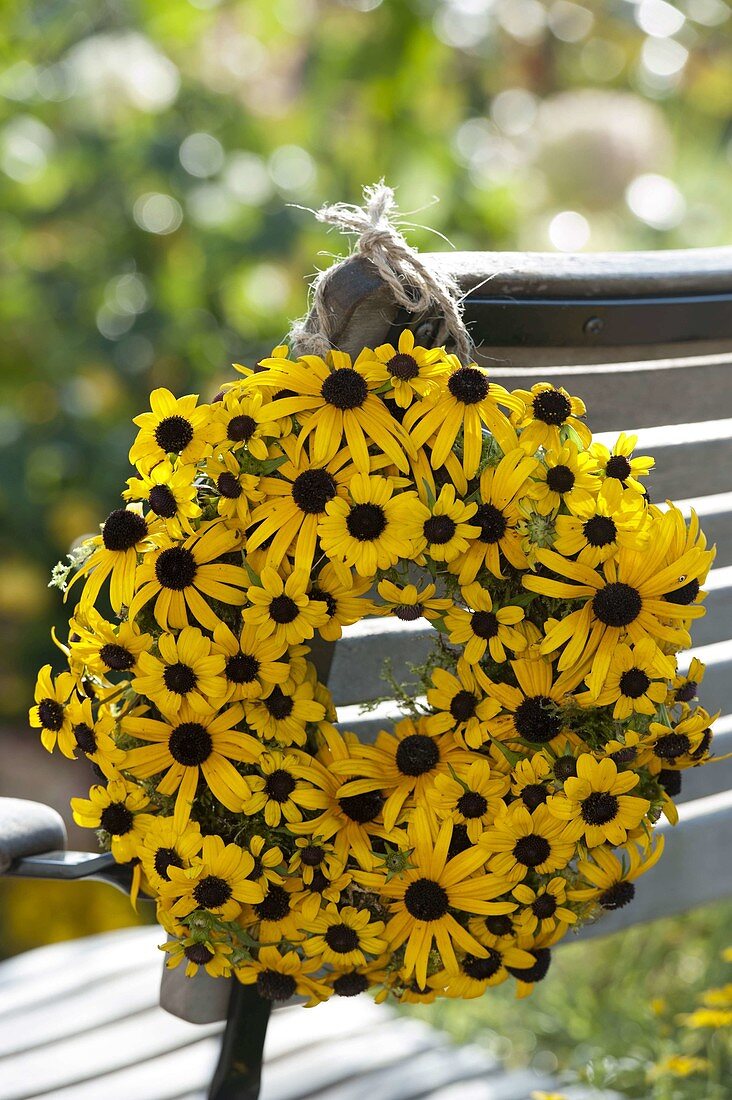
413	284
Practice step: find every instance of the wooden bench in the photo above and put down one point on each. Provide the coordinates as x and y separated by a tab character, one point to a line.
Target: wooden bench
646	341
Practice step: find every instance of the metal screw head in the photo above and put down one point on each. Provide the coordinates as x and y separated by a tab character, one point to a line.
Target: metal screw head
594	326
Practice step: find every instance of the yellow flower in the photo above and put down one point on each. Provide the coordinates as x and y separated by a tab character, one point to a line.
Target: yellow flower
610	876
442	530
595	804
685	688
403	765
252	663
94	738
408	603
497	517
544	907
470	794
596	530
325	885
480	972
247	421
122	809
164	845
424	898
523	842
278	977
114	554
531	711
236	491
407	371
51	713
463	706
714	1018
179	575
564	477
332	400
345	937
217	881
103	647
546	415
188	746
484	627
213	955
174	426
284	712
343	601
186	671
295	499
268	862
628	598
468	401
619	466
283	787
636	680
171	494
282	609
368	531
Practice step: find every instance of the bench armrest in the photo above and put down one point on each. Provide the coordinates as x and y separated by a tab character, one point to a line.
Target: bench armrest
28	829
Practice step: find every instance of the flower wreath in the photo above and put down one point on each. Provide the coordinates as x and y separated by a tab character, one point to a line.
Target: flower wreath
513	801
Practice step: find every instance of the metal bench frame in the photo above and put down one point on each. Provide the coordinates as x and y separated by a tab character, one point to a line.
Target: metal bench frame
527	312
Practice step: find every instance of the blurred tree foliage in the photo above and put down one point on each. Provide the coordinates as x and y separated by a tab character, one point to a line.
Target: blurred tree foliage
149	150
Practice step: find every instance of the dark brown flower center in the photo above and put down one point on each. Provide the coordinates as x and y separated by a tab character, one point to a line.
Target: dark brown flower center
116	657
491	521
535	973
408	612
671	746
617	604
279	785
472	805
173	434
190	744
565	767
242	668
533	795
179	678
162	501
312	855
544	907
176	568
198	953
685	595
212	892
599	808
426	900
481	969
560	479
484	624
551	407
279	705
531	850
439	529
403	366
85	738
617	895
362	808
326	598
536	719
116	819
634	682
468	385
276	904
365	522
241	428
417	754
345	389
283	609
499	925
341	939
350	985
51	714
312	489
228	485
165	858
122	530
462	706
273	986
618	467
600	531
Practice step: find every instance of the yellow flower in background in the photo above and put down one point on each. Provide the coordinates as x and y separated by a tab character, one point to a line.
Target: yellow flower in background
596	530
170	492
178	576
369	531
284	712
283	787
637	680
105	648
51	713
442	530
543	908
164	845
519	842
408	603
252	664
406	372
470	793
94	738
177	426
236	491
610	876
246	420
213	955
278	977
462	706
114	554
344	603
122	809
189	746
619	466
531	711
468	402
548	409
484	627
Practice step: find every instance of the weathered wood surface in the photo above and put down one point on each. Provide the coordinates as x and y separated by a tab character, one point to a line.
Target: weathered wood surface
87	1025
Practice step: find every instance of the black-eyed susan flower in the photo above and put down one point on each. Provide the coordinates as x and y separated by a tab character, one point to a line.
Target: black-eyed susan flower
247	423
596	530
275	917
122	809
596	806
607	878
325	886
426	899
278	976
189	745
344	937
566	477
462	705
284	712
105	648
334	401
282	786
531	711
442	530
619	466
174	426
403	765
269	861
295	499
179	575
217	881
469	793
344	602
252	664
497	517
520	842
51	713
170	492
185	670
548	413
236	492
685	688
406	372
409	603
349	983
114	555
637	680
368	530
92	735
476	973
542	909
165	845
468	401
282	609
626	598
481	626
530	779
212	954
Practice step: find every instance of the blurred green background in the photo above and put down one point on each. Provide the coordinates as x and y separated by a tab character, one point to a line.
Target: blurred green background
152	159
